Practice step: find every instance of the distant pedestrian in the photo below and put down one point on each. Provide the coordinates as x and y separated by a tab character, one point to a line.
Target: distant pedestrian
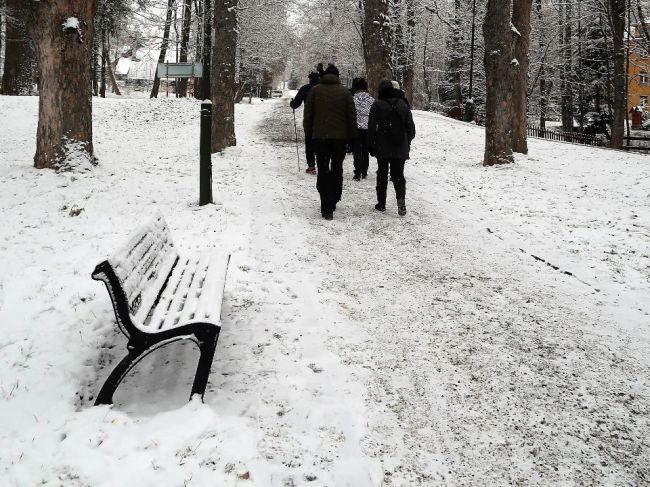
363	102
330	120
390	132
301	96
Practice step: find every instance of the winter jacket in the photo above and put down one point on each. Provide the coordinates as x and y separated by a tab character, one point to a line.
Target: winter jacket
302	94
329	111
378	144
362	102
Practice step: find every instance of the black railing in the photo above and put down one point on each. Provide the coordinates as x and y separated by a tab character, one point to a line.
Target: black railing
571	137
637	143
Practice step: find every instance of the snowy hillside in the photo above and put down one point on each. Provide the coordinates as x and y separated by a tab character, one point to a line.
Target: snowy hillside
499	333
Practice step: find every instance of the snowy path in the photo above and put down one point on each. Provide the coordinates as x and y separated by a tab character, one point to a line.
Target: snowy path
484	363
370	350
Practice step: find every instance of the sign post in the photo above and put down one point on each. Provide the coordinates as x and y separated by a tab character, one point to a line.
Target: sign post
205	168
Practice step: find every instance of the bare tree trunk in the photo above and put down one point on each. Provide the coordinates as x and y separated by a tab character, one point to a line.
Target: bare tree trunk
198	9
455	60
498	77
223	75
19	62
469	113
207	49
566	73
619	108
96	56
102	82
376	33
425	75
409	45
111	76
580	71
544	83
63	36
521	20
185	40
163	47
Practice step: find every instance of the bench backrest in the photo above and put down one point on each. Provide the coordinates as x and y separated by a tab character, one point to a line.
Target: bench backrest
141	269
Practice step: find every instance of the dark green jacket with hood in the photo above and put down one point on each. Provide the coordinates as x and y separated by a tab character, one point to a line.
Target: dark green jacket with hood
330	111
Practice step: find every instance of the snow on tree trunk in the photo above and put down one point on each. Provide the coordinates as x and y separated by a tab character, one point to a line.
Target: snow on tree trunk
163	47
498	76
619	108
376	46
63	36
521	20
223	74
19	62
185	40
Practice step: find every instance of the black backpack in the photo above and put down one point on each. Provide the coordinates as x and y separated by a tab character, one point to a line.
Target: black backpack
395	129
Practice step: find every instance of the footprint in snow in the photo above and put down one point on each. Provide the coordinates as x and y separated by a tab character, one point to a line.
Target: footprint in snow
315	368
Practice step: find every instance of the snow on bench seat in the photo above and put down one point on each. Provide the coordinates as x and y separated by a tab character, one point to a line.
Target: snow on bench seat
159	296
193	293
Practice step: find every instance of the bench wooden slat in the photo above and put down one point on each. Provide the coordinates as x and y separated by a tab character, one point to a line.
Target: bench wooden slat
213	288
173	315
143	265
160	297
195	288
162	308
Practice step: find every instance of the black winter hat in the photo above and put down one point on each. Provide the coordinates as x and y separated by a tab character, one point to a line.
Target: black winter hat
360	84
385	90
313	75
331	69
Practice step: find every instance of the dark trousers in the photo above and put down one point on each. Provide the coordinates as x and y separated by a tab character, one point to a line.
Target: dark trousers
397	175
329	157
309	152
360	149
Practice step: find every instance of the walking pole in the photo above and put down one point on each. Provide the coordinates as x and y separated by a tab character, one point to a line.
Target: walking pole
295	129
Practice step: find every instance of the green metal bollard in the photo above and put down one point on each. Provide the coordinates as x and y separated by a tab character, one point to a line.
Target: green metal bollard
205	169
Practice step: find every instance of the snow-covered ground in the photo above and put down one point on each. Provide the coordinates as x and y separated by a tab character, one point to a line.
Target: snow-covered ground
442	348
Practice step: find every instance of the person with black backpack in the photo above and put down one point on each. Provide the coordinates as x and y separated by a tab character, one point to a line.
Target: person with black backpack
390	132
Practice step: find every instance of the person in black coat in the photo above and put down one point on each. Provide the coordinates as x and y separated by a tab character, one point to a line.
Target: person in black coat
382	145
301	96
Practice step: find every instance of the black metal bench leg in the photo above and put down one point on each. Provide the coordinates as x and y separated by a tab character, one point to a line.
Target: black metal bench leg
206	347
105	395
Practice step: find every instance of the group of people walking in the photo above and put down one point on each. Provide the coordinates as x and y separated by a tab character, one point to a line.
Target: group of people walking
335	118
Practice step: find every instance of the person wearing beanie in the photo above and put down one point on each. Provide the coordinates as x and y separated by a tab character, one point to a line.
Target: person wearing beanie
330	120
390	132
301	96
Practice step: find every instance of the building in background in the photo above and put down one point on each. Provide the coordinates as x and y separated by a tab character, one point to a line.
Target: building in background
639	67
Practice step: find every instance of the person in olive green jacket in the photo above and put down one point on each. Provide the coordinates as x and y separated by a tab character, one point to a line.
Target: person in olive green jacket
330	119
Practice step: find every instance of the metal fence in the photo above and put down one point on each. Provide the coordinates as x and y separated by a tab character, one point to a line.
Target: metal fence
571	137
637	144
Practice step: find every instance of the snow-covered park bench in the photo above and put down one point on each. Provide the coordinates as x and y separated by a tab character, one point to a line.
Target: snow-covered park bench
160	297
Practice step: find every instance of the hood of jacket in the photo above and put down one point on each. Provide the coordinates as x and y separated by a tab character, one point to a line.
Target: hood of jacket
330	79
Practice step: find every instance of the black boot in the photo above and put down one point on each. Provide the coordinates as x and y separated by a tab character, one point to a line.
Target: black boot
400	193
381	199
401	206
